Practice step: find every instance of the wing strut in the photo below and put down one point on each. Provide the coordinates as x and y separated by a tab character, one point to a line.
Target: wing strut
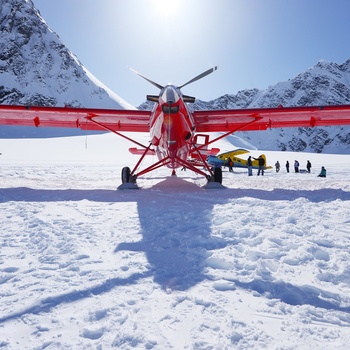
116	132
230	132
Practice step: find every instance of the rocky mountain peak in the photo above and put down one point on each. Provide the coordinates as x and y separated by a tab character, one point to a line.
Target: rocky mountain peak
36	67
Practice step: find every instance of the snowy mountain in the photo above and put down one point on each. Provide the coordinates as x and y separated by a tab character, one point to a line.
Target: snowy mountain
36	67
326	83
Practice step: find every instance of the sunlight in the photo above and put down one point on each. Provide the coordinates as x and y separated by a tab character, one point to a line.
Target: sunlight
166	8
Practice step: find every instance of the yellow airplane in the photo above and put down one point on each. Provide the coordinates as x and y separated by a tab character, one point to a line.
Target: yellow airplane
224	159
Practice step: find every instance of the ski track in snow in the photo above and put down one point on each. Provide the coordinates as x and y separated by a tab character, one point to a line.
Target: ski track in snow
261	263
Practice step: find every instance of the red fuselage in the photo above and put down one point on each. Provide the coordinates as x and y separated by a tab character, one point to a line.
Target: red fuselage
171	127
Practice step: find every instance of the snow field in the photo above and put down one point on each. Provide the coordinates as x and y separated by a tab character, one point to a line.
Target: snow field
262	263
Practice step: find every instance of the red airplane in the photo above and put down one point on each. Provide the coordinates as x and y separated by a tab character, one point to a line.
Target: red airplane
176	130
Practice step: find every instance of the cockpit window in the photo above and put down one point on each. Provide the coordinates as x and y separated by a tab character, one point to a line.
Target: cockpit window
170	109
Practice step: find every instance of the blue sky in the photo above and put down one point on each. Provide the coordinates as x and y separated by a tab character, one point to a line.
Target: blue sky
255	43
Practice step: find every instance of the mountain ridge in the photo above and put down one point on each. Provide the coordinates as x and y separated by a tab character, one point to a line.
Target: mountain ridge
37	69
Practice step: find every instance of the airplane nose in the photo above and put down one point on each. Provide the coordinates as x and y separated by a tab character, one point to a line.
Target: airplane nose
170	96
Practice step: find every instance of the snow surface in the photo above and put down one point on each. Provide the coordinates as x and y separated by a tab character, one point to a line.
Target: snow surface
261	264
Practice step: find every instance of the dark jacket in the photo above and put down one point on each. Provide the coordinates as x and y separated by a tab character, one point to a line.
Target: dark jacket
261	161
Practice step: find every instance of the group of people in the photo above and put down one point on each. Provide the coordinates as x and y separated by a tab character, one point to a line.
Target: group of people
261	166
261	162
297	165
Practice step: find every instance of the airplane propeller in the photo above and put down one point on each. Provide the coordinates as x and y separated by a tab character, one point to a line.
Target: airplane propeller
160	87
200	76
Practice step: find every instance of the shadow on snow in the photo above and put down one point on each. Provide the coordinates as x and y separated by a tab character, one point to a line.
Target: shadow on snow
45	305
175	221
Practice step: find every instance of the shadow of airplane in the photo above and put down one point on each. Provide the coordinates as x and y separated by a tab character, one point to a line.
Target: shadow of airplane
175	224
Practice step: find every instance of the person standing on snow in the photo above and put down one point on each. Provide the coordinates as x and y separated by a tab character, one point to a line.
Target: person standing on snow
278	166
296	166
261	165
287	166
308	166
250	166
230	165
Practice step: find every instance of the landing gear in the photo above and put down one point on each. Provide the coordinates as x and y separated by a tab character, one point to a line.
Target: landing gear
218	175
128	180
126	175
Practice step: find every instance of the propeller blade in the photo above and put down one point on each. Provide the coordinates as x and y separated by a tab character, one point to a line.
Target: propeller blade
200	76
150	81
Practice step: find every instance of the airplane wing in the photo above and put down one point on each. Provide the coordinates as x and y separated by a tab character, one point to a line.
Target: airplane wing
264	118
233	153
83	118
206	121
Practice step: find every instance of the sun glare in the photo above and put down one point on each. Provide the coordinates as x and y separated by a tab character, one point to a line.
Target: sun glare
166	8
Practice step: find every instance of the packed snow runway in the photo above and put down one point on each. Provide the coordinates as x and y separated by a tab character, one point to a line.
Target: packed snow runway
261	264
